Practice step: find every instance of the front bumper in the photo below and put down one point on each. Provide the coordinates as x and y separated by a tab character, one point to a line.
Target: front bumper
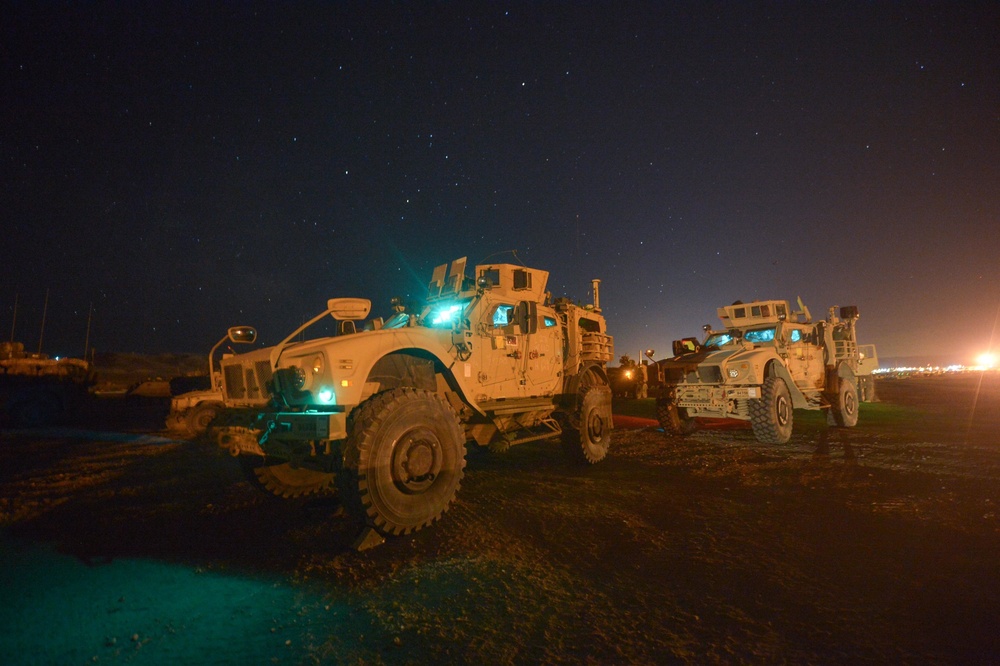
715	401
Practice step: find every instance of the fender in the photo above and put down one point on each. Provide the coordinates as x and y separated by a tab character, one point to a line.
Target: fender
776	369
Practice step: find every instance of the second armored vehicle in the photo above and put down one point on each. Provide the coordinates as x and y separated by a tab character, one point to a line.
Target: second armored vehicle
387	406
765	362
193	411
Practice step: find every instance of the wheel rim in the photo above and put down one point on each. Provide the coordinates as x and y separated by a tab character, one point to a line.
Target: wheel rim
203	418
416	461
850	403
782	412
595	426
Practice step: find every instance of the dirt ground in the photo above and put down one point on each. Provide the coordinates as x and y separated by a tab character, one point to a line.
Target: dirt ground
877	544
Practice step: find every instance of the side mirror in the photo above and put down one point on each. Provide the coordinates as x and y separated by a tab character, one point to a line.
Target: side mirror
849	312
526	316
349	308
243	334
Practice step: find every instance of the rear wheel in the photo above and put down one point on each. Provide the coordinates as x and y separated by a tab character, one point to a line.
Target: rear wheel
843	412
588	435
403	460
771	414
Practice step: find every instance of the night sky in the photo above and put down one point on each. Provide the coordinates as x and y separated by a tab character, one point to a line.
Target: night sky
185	168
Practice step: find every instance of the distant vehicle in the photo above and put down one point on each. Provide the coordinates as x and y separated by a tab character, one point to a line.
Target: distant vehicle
867	365
193	411
765	362
37	390
387	408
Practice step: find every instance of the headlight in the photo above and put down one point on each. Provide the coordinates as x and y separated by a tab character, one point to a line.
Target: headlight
298	377
317	364
289	379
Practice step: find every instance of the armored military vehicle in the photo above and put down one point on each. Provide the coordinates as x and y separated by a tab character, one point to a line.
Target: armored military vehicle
191	412
37	390
387	406
867	365
766	361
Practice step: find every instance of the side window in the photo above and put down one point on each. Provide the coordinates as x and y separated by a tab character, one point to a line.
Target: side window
795	335
550	322
503	316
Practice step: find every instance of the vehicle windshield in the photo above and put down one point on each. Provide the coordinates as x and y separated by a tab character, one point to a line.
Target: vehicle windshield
759	335
717	340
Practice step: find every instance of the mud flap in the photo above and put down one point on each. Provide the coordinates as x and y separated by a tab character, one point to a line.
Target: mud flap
368	539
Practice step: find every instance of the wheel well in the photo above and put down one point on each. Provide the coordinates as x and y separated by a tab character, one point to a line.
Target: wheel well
412	368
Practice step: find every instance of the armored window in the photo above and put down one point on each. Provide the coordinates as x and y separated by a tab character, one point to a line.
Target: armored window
795	335
765	310
490	277
522	279
739	313
550	322
503	316
759	335
779	310
755	310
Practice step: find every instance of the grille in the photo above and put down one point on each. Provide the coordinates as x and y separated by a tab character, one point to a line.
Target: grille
247	380
710	374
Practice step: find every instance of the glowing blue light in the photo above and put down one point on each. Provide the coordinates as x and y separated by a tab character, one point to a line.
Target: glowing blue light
326	396
445	315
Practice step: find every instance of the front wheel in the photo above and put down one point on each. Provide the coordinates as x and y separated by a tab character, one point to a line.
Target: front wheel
673	419
403	460
201	416
285	479
771	414
844	410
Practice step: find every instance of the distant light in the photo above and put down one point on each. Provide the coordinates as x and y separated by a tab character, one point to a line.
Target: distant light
987	360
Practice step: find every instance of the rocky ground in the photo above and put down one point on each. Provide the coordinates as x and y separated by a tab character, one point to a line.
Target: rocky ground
875	544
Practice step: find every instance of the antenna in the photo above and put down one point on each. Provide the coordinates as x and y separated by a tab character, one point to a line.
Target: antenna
86	341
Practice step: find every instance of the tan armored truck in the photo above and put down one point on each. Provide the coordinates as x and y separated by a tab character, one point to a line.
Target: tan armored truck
37	390
192	412
765	362
387	407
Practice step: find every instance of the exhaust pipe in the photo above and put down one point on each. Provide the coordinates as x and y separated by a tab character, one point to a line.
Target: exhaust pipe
597	294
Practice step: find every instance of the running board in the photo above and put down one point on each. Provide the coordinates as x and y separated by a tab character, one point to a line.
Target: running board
552	430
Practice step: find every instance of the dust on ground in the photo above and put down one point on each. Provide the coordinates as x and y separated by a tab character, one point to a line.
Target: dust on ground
873	544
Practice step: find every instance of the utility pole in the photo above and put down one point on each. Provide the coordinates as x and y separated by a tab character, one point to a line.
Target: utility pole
44	312
13	323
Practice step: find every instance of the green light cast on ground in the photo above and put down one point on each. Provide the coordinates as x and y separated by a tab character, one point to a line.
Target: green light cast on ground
59	610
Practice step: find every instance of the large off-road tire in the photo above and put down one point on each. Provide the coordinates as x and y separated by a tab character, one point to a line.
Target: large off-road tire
771	414
843	412
284	479
201	416
588	435
673	419
404	459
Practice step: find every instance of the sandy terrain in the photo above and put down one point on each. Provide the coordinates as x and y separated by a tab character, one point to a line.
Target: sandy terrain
877	544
